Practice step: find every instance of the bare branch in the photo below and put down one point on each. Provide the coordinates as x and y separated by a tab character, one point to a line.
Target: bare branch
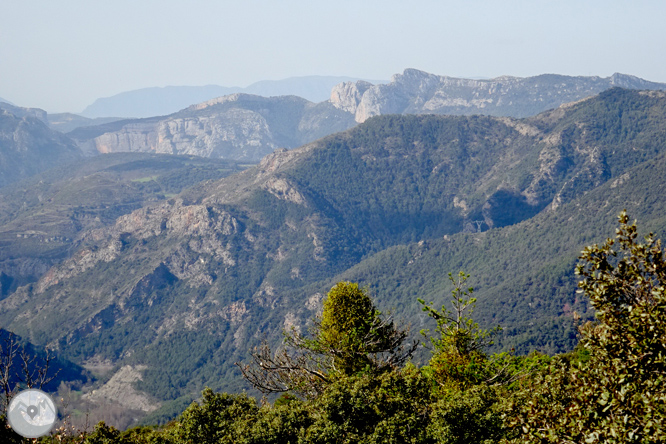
7	357
19	367
282	372
28	370
43	377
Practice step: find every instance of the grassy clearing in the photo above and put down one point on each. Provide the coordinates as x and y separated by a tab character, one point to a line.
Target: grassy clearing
144	179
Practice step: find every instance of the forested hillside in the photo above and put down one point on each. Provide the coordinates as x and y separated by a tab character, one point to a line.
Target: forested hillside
184	287
349	379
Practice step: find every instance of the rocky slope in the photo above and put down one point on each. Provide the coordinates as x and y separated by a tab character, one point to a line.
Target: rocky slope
28	146
43	218
186	286
418	92
245	127
238	126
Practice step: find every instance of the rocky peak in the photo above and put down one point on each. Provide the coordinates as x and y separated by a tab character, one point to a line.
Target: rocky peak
217	101
416	80
418	92
347	95
632	82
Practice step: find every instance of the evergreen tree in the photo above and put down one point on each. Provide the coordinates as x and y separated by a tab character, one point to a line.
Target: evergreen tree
351	336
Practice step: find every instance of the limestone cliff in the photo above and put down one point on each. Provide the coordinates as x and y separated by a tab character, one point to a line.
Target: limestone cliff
238	126
247	127
418	92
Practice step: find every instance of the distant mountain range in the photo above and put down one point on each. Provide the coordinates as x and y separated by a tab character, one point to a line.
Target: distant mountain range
418	92
61	122
66	122
5	101
150	102
238	126
247	127
187	284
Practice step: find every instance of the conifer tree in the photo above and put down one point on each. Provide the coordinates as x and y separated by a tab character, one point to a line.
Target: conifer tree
351	336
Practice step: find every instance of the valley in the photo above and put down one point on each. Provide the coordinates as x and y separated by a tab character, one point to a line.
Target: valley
178	265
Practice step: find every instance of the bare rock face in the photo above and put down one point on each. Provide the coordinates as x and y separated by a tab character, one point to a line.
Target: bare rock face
233	134
347	95
405	94
418	92
120	389
238	126
247	127
236	133
136	137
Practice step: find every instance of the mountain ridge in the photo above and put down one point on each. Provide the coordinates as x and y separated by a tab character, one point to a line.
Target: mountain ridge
249	131
28	146
159	101
237	126
187	285
419	92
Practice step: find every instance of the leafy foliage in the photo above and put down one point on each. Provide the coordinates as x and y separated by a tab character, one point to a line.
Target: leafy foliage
216	420
609	390
618	394
353	332
457	330
459	349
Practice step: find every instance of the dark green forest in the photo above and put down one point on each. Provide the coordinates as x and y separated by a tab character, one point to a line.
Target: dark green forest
349	378
181	268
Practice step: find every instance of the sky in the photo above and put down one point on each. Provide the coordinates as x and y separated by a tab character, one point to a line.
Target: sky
62	55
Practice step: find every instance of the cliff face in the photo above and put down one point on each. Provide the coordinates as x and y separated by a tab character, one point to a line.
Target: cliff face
247	127
238	126
417	92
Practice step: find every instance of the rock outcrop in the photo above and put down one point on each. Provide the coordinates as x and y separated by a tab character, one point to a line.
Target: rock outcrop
418	92
247	127
347	95
238	126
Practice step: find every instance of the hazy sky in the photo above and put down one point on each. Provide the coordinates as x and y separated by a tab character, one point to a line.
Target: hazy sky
62	55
